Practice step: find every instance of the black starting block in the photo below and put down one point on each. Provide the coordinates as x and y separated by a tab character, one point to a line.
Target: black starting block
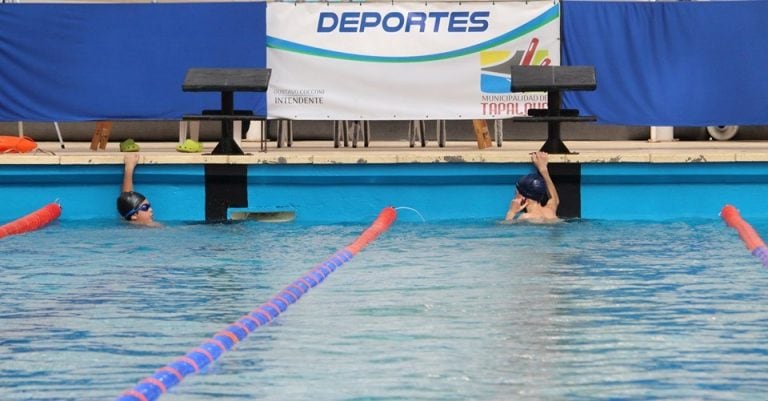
227	81
553	80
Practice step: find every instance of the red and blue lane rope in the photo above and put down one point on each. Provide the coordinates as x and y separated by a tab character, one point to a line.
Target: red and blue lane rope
32	221
748	235
152	387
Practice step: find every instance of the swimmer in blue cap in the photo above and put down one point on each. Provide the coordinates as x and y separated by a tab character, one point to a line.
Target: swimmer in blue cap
536	199
132	205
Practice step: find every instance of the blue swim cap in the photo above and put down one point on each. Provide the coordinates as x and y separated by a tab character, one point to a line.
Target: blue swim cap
532	186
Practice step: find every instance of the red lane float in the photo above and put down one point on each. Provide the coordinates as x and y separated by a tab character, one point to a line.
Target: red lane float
33	221
152	387
381	224
748	235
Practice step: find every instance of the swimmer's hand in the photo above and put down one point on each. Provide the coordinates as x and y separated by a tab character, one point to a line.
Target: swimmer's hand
131	160
540	161
516	206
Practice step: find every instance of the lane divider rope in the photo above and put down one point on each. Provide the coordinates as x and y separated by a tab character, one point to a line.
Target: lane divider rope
152	387
32	221
748	235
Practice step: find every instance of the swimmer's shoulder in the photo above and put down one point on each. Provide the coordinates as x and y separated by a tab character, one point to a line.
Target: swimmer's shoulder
527	218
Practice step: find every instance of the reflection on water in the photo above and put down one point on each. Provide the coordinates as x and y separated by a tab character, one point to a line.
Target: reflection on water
472	311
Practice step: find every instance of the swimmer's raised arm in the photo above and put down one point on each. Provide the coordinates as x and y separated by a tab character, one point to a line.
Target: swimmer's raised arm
130	161
540	161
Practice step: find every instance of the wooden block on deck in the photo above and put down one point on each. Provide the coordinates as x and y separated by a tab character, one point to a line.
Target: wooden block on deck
101	135
482	133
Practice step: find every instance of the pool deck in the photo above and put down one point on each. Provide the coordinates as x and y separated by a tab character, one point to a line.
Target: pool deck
393	152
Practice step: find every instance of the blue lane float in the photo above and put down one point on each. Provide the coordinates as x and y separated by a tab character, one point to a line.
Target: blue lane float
152	387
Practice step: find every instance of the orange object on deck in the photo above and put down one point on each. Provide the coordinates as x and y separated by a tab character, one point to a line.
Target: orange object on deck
33	221
101	135
16	144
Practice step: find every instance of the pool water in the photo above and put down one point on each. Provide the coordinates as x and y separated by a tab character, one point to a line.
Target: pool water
583	310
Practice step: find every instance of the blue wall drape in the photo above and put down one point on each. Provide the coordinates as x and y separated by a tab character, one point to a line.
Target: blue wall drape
657	63
79	62
670	63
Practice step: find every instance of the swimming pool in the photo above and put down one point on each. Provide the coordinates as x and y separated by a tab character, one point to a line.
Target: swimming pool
429	311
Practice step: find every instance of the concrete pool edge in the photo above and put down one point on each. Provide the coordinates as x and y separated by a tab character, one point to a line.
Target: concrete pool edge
323	152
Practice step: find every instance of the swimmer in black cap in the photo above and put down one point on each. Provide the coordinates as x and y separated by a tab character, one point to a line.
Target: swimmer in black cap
132	205
536	199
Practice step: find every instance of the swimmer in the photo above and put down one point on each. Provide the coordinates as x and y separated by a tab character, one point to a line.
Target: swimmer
132	205
536	200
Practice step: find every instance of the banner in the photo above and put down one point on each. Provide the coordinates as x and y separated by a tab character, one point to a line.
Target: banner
406	61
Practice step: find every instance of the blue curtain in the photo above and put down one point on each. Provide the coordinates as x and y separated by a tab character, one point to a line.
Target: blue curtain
670	63
79	62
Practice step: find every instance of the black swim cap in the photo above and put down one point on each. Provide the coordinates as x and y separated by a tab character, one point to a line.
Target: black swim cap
532	186
127	203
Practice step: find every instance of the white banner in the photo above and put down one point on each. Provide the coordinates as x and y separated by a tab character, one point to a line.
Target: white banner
406	61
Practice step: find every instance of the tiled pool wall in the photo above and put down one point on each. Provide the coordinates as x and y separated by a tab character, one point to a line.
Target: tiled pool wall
334	193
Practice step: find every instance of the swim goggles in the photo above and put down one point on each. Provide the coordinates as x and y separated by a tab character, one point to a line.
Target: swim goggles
143	207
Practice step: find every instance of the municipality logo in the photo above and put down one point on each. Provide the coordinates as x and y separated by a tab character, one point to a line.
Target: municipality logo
495	66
